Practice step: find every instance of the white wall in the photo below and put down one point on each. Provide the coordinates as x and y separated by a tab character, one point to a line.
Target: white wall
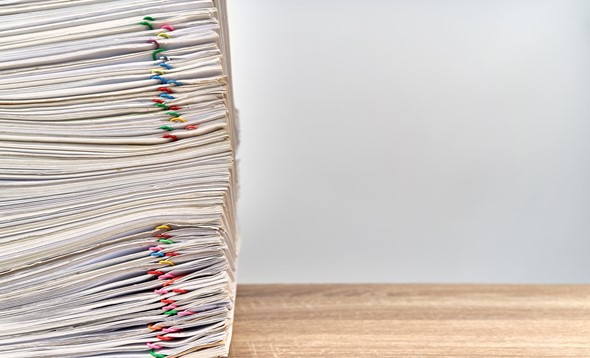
413	141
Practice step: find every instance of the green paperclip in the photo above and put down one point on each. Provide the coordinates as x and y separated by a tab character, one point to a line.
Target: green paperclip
157	355
157	52
147	24
161	105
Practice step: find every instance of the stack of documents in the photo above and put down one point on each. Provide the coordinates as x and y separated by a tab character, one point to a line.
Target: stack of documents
117	179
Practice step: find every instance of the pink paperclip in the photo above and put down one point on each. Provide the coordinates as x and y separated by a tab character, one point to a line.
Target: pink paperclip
154	345
186	313
166	276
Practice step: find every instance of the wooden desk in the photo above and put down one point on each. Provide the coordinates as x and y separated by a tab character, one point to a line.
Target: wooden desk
411	321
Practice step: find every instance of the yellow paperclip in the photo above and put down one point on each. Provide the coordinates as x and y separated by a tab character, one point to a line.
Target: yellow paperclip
163	227
177	119
158	71
166	262
163	34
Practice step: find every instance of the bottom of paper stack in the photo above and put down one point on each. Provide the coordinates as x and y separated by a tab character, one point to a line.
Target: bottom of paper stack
109	301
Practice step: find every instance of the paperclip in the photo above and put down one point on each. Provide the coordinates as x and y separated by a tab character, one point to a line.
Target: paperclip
177	119
154	42
147	24
174	139
155	52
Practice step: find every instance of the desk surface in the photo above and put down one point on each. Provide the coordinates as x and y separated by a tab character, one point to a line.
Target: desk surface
411	321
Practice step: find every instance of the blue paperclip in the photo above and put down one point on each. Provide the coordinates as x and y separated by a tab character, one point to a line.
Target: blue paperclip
162	79
175	82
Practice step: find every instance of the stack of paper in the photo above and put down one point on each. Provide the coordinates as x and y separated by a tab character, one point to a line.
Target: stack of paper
117	179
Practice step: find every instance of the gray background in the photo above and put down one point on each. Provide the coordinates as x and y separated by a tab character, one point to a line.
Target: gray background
413	141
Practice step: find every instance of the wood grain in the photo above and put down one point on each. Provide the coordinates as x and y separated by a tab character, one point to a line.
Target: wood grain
411	321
